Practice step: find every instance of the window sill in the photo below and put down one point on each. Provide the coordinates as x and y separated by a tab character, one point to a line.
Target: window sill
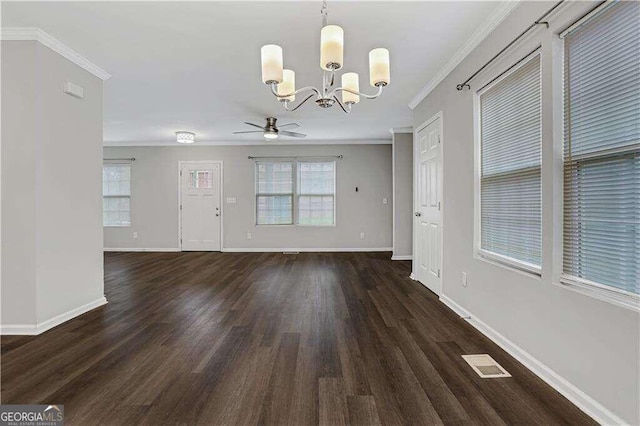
510	263
598	291
116	226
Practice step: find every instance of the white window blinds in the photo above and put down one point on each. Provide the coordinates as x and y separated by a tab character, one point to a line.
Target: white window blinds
510	147
274	193
116	194
316	193
602	149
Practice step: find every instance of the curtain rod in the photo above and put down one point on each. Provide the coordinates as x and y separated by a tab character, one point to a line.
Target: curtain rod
304	156
119	159
538	21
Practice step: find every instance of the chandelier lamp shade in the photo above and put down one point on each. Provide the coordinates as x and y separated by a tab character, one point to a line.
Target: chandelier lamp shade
283	81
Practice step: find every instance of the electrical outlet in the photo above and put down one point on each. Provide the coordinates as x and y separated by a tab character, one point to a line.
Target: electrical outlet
464	279
385	201
362	235
135	235
249	235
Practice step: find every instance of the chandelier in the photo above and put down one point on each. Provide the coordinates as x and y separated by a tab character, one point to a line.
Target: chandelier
283	81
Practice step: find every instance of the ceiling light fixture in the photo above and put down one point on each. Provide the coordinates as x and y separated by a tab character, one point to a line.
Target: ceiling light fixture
282	81
185	137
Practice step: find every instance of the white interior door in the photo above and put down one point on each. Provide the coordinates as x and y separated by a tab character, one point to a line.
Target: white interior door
428	216
200	206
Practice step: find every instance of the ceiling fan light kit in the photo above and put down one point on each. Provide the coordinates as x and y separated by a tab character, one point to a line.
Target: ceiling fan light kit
282	81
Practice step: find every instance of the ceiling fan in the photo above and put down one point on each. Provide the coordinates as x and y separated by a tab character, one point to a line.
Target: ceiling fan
271	131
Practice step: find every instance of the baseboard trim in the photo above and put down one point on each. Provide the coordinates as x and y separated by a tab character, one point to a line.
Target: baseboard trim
136	249
33	330
312	250
581	400
413	276
402	257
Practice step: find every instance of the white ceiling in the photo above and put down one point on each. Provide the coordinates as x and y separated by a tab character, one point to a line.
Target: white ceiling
196	65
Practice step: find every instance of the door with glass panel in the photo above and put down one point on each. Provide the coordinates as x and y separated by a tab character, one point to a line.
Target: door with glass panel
428	229
200	206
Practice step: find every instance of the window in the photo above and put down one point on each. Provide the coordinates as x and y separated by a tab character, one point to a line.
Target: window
201	179
602	150
510	150
274	193
116	195
316	193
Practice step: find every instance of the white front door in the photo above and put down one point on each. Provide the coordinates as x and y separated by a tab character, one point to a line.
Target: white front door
428	229
200	206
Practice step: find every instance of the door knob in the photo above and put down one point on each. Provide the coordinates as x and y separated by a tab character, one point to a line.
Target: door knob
417	214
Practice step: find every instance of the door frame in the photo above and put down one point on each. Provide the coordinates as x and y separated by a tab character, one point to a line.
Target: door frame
180	164
416	151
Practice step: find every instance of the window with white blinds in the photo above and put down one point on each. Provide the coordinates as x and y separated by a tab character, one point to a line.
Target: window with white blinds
274	193
602	149
116	194
510	150
316	193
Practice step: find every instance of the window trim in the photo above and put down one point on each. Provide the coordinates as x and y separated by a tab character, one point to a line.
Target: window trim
602	292
480	253
598	291
130	196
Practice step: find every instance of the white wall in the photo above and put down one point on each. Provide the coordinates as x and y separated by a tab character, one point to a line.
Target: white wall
51	186
154	198
591	344
19	88
403	195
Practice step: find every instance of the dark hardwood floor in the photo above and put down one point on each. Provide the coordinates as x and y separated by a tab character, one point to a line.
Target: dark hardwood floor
266	338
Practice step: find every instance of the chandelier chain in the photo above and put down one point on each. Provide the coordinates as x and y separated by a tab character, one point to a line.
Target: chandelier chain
324	13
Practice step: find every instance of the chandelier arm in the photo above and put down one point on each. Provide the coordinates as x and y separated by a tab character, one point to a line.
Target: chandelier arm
346	110
286	103
303	89
333	77
364	95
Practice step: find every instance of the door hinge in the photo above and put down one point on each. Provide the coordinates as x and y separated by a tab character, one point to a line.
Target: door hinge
438	273
180	172
180	206
438	205
438	138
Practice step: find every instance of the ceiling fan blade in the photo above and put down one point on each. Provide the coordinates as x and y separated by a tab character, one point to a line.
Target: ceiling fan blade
249	131
254	125
292	134
295	125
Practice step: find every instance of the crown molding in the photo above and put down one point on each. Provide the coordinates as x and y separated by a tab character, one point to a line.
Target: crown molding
36	34
173	143
395	130
491	23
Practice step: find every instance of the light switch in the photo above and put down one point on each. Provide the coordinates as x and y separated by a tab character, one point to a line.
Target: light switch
231	200
385	201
